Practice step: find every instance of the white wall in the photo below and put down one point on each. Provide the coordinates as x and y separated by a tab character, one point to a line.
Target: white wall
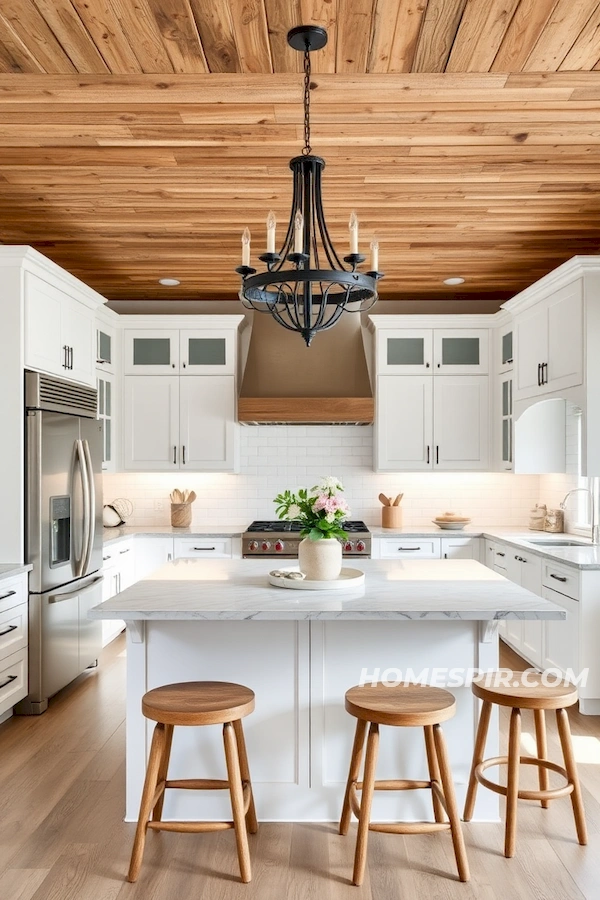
277	457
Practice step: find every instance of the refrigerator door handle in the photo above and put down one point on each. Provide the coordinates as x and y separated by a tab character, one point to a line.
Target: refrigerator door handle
85	488
91	511
58	598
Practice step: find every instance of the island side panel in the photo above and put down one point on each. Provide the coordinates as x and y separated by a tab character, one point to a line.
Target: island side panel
271	658
340	651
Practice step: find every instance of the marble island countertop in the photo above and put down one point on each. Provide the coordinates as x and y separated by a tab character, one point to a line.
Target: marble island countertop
394	589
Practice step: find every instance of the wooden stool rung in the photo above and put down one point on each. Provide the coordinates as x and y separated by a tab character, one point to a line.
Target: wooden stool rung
199	784
408	827
523	794
190	827
398	784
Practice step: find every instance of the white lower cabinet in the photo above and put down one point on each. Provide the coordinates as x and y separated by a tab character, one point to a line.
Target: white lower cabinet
409	548
13	641
561	644
203	548
175	424
436	423
150	554
461	548
119	573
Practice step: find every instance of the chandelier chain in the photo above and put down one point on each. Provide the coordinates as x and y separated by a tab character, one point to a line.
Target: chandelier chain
307	148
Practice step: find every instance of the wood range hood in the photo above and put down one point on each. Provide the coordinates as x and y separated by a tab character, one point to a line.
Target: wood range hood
287	383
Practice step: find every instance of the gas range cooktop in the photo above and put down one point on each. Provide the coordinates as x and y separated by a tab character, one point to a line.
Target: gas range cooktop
279	538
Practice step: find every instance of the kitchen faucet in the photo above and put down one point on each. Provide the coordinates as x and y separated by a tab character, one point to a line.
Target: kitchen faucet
593	495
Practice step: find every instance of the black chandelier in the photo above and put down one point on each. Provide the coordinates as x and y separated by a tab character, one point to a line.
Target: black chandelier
307	297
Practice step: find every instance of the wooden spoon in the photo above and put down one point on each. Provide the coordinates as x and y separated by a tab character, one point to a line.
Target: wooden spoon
385	500
191	496
397	500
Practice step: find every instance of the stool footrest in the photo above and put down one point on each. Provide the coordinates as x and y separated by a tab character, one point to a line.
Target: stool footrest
397	784
408	827
190	827
548	794
198	784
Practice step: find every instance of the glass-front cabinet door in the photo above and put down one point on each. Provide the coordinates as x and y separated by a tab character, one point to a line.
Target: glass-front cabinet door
106	416
151	352
405	351
460	351
207	352
505	347
506	438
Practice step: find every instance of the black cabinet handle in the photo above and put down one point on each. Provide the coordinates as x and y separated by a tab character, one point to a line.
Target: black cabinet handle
65	364
183	454
184	365
8	630
104	558
70	357
407	549
174	456
204	548
124	551
428	454
498	553
9	594
426	365
539	374
437	455
544	373
558	577
8	681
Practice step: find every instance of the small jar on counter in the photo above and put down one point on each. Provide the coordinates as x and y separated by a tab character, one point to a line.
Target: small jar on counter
537	517
554	520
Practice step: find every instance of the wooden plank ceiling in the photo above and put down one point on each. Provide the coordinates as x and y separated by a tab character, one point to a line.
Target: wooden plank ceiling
139	137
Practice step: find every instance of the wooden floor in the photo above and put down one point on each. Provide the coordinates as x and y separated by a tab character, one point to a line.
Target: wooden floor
62	836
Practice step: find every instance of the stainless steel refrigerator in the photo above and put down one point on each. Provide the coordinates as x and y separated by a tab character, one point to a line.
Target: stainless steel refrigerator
63	540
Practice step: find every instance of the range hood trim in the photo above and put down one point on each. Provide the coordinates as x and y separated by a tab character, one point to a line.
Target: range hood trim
306	410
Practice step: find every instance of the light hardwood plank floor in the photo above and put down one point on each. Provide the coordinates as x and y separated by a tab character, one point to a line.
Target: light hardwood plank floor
62	835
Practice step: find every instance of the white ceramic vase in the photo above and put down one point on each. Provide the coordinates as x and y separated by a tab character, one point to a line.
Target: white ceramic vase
320	560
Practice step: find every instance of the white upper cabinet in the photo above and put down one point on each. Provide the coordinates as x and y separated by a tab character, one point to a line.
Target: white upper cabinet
438	351
207	427
425	423
105	348
505	348
459	351
207	353
460	416
151	423
549	343
59	331
404	423
405	351
151	352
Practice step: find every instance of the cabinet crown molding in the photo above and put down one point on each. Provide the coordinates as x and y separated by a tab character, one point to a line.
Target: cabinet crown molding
576	267
208	322
30	260
453	320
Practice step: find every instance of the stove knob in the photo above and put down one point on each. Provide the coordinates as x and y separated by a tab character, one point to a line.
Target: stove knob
360	546
253	545
279	545
348	546
266	545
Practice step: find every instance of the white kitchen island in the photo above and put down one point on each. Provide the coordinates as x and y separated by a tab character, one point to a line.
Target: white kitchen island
300	651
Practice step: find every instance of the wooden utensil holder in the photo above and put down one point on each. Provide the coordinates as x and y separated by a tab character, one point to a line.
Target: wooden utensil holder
391	517
181	515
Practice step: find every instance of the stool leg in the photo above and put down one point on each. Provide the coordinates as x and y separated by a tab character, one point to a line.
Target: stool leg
479	750
460	853
542	751
162	772
156	751
512	784
434	772
251	820
355	761
566	743
237	800
360	855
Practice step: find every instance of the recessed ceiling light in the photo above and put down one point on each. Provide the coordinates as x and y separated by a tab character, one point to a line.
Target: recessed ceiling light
169	282
454	280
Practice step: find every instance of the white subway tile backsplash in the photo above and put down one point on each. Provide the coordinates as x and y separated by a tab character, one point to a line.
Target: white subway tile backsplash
278	457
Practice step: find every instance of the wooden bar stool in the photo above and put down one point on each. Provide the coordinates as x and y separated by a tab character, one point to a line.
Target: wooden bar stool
404	705
525	693
197	703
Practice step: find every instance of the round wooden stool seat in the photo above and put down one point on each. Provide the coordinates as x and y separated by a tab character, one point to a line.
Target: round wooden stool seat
400	704
198	703
525	690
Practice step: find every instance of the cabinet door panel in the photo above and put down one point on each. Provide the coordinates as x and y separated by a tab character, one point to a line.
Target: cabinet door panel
565	338
151	423
461	415
207	423
204	352
151	352
405	351
533	629
461	548
78	335
404	423
460	351
43	347
561	640
531	331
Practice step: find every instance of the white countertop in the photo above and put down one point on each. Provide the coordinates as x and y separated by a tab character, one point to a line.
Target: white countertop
7	570
394	589
123	531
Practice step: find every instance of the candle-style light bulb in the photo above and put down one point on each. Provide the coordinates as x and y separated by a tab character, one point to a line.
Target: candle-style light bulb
298	233
271	225
374	255
353	228
246	247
